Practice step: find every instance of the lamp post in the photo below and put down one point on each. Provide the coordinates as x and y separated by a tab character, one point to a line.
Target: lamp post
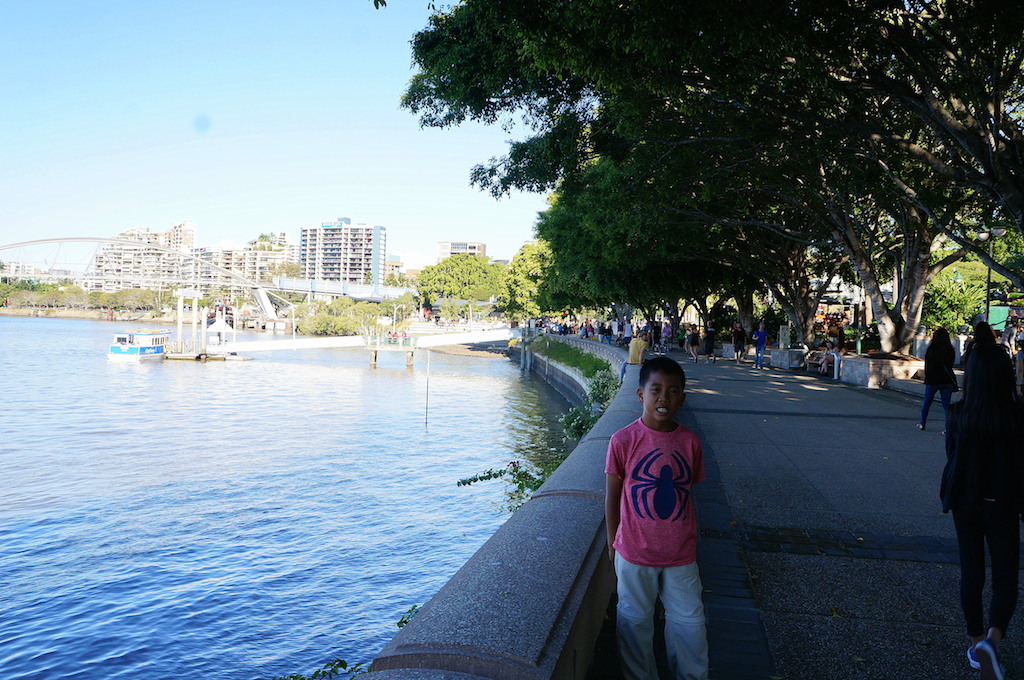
989	235
394	317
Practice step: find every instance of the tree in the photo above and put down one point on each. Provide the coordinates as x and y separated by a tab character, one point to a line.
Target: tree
520	295
451	309
744	83
75	296
398	280
286	269
265	241
462	276
951	303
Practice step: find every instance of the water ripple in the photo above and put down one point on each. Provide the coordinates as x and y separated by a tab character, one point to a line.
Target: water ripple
237	520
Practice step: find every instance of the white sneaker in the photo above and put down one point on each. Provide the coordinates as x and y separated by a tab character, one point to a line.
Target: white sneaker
973	660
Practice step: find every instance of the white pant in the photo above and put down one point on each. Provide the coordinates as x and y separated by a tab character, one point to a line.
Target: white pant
685	636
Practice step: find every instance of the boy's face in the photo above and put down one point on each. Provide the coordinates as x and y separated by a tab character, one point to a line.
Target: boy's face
661	398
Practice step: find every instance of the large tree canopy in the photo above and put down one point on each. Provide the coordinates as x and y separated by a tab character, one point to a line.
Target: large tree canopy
462	277
523	295
888	128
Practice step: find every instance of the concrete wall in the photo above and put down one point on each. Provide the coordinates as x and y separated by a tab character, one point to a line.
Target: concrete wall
567	381
530	603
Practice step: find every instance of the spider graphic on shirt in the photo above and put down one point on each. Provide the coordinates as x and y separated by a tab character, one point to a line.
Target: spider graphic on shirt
662	494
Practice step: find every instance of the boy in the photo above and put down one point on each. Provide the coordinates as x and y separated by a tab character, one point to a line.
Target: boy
652	529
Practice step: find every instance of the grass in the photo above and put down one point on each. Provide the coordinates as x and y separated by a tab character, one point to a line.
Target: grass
588	364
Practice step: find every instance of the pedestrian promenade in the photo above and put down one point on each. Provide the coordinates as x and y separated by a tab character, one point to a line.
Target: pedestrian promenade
824	552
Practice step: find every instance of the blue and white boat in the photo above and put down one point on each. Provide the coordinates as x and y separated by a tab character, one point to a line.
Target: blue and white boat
139	345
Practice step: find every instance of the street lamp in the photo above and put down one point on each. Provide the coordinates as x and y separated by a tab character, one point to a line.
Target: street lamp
394	317
989	235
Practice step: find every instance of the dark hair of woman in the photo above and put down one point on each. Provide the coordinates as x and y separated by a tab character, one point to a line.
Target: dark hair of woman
940	348
983	333
988	408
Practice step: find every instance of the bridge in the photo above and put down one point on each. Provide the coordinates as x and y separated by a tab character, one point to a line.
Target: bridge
357	291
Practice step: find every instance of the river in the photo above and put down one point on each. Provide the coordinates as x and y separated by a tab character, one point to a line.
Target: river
238	520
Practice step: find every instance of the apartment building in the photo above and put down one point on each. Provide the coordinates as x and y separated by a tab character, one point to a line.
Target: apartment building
393	266
342	251
446	249
256	262
116	267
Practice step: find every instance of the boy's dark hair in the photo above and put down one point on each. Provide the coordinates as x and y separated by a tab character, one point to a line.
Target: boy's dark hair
662	365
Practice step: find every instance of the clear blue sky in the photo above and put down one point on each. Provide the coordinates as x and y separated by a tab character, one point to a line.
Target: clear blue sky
244	117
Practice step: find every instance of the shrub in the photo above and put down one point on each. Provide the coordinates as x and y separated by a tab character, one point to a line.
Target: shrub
578	421
603	387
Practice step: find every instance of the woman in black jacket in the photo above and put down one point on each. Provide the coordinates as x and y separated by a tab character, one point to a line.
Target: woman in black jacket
938	374
983	484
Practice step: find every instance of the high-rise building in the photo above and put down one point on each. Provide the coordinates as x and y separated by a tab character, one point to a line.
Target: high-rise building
446	249
115	267
342	251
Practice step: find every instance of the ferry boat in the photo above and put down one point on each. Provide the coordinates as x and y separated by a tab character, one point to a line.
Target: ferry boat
139	345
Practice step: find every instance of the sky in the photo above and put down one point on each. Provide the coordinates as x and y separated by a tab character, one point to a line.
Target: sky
245	117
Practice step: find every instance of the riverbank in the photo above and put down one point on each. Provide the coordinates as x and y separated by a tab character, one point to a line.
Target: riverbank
492	350
87	314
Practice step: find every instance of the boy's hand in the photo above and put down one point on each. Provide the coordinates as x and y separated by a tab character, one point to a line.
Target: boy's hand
613	490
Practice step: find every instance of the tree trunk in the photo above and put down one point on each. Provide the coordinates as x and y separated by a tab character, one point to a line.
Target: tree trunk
622	313
715	313
745	311
800	309
898	321
702	309
671	310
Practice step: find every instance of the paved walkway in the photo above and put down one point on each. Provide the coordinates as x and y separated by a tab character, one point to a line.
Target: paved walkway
824	552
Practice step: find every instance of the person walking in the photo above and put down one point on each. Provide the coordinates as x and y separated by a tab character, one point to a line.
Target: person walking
938	374
983	485
983	335
760	338
739	342
709	343
693	341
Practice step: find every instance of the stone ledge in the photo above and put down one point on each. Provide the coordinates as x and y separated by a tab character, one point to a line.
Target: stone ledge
875	373
787	358
515	609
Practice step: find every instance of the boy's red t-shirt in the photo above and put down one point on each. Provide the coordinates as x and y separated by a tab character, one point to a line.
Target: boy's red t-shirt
657	522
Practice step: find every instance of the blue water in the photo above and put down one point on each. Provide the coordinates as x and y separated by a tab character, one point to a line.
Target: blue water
237	520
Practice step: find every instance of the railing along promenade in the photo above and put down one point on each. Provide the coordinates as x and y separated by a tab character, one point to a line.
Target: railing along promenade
531	602
421	341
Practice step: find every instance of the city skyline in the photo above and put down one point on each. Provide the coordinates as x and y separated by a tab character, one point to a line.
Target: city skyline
241	118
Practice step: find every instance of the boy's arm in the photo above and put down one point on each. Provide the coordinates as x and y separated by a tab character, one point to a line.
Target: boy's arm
613	490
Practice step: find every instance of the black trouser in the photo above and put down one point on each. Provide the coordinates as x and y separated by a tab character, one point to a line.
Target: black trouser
976	522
